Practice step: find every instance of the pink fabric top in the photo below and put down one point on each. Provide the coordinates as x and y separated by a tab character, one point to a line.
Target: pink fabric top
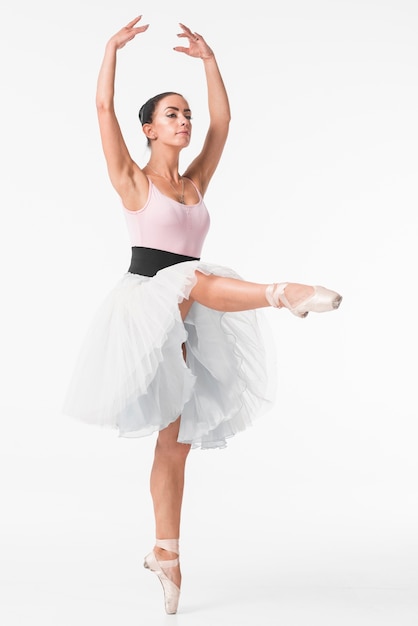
165	224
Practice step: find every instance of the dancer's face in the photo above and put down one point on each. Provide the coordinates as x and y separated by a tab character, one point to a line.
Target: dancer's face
171	123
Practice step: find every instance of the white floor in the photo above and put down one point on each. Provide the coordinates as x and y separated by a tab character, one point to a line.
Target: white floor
104	589
263	542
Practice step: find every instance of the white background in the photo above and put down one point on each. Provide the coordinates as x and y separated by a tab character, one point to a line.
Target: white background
310	517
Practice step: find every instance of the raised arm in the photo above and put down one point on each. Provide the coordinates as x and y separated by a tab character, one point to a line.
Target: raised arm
204	165
124	174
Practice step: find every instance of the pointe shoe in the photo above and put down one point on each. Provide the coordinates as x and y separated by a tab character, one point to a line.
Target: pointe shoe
321	301
171	591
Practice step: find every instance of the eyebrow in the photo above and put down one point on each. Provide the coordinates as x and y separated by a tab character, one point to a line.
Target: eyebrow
177	109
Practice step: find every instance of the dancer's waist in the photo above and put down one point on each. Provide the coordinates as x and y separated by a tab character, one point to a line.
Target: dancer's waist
149	261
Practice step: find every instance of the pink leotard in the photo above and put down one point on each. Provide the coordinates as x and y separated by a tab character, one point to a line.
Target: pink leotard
165	224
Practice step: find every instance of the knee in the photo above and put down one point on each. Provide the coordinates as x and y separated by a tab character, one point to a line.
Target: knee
173	450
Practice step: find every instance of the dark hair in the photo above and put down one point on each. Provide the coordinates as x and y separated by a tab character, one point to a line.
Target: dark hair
146	112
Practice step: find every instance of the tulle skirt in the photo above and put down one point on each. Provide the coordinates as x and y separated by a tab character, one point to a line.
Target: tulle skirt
131	373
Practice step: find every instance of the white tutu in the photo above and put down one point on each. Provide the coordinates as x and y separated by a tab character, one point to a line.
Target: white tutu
131	374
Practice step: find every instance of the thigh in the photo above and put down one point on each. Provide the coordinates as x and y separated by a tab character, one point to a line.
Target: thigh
185	307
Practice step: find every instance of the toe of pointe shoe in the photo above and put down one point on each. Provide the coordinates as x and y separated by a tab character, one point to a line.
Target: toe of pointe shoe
321	301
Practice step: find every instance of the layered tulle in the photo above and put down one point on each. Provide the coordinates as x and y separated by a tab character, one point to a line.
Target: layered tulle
131	373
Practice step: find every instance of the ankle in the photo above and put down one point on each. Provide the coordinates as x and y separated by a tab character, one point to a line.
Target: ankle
273	293
164	555
287	295
166	549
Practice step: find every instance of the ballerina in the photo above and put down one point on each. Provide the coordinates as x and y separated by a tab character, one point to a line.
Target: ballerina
177	347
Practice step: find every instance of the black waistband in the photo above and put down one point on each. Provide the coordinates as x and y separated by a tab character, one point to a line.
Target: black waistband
149	261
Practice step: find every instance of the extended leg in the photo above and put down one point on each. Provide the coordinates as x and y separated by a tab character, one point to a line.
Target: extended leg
231	294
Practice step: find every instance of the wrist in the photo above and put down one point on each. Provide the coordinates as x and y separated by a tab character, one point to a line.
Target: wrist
111	46
209	56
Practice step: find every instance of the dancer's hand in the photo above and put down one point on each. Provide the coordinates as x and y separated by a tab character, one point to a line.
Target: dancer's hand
197	45
127	33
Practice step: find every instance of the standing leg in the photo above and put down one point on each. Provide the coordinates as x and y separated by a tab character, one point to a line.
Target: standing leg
167	486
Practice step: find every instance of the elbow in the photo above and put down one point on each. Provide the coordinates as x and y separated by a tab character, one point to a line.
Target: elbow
227	117
227	122
103	106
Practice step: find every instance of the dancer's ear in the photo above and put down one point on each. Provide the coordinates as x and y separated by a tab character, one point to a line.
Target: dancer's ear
149	131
